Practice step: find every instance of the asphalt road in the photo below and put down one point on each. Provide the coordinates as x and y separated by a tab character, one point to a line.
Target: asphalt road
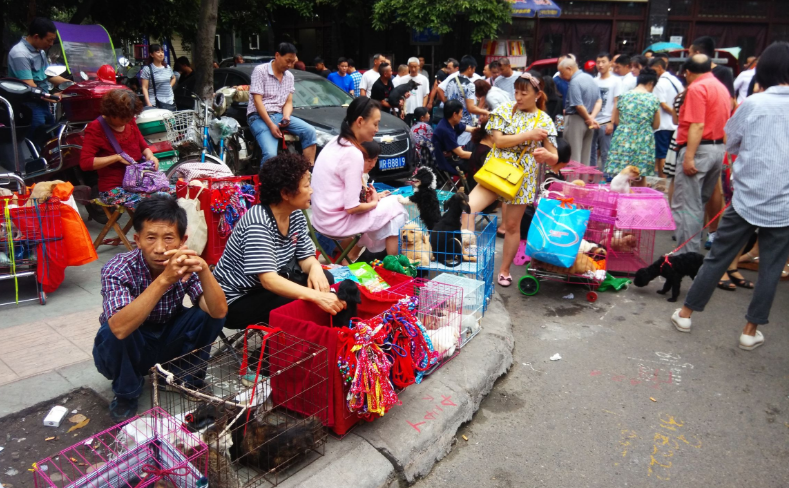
632	402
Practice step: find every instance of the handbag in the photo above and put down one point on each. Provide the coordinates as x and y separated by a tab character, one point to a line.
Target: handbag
158	103
501	176
196	227
556	232
140	177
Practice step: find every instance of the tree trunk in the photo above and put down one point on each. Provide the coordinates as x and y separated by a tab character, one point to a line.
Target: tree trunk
203	55
83	10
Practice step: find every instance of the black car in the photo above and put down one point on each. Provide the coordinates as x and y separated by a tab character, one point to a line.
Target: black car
322	104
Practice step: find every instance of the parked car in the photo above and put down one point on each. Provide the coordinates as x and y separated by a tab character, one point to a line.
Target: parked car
228	62
544	66
323	104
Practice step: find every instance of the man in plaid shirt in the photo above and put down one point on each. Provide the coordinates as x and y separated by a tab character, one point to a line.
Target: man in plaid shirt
144	321
271	105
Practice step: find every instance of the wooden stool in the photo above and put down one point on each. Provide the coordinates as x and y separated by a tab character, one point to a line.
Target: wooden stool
112	223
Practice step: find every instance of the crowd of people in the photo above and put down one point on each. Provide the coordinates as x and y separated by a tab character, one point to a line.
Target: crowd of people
643	116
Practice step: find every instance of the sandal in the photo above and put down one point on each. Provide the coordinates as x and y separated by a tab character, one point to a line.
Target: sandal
750	262
727	285
505	281
500	233
785	273
741	282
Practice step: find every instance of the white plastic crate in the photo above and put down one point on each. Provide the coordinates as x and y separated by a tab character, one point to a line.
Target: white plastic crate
474	302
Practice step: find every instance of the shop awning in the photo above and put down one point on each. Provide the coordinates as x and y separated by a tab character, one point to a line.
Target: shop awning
533	8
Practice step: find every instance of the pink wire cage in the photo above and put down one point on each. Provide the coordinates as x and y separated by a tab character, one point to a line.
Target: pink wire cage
577	171
137	453
645	209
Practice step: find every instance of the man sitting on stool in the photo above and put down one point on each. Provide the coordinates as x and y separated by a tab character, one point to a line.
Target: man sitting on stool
144	321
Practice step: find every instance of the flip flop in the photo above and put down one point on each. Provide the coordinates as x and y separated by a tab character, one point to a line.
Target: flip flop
505	281
741	282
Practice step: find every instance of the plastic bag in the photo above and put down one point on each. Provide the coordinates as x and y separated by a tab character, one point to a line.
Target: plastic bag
196	228
366	276
222	128
556	232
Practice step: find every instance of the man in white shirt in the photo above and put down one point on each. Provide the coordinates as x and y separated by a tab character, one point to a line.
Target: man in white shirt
370	76
506	81
743	81
610	88
666	89
419	94
622	70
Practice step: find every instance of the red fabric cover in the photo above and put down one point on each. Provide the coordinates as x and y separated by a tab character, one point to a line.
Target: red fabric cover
96	145
376	303
307	321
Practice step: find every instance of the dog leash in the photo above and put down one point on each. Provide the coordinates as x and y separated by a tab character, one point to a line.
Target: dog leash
665	258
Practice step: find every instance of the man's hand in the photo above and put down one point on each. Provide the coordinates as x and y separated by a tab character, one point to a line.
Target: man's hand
689	166
536	135
407	94
609	128
181	264
274	128
592	124
284	122
328	302
317	279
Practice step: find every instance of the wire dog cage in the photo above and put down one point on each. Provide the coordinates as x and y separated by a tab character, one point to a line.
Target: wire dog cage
259	405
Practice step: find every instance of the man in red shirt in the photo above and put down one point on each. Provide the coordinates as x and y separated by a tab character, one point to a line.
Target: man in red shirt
700	136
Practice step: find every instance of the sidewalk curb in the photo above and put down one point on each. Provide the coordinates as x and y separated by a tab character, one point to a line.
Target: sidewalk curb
407	442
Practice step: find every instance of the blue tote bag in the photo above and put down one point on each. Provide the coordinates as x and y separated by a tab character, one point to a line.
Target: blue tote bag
556	232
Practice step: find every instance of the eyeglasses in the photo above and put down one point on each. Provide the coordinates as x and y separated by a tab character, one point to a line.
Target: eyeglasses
534	81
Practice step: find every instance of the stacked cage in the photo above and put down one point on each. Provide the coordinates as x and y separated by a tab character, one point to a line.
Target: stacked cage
31	243
258	400
464	253
577	171
153	449
473	304
406	191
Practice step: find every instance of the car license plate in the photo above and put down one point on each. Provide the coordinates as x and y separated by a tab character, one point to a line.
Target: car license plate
391	163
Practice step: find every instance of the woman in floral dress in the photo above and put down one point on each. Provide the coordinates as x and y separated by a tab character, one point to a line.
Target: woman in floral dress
636	116
524	135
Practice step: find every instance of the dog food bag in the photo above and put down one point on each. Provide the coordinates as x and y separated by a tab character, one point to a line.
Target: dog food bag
366	276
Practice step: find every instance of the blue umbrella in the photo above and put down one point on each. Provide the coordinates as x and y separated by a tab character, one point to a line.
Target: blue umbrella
660	47
532	8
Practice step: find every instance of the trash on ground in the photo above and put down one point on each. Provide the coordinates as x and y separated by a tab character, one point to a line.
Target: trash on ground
22	439
51	438
569	297
556	357
75	419
652	399
55	416
79	425
465	438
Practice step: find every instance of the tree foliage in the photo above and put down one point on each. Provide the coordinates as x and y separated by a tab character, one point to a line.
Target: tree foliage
485	15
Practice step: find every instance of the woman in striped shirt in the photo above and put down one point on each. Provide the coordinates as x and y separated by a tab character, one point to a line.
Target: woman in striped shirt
269	259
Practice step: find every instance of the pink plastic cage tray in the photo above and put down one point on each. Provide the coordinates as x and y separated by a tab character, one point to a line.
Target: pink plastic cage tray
577	171
134	454
645	209
598	198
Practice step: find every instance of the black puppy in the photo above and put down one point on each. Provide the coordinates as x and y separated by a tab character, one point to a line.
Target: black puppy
399	92
425	197
349	292
445	237
677	267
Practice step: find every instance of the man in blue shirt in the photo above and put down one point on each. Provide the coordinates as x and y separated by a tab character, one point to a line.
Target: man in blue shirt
355	76
445	138
581	106
341	77
27	61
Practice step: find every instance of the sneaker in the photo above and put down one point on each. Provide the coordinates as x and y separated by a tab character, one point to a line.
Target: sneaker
122	409
682	324
749	343
710	238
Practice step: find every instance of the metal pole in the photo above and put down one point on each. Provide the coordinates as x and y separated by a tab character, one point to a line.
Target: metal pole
17	164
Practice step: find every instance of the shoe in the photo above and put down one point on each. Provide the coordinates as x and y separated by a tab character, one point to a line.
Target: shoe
741	282
749	343
710	239
680	323
505	281
749	261
122	409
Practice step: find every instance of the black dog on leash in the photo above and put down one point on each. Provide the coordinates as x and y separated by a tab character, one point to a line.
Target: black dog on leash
425	197
445	237
677	267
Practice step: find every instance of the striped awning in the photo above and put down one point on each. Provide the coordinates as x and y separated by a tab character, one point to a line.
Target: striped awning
533	8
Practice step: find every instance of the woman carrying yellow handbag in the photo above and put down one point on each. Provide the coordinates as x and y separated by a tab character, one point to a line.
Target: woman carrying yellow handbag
524	135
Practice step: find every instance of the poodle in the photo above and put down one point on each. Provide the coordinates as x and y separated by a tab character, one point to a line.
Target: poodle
425	197
677	267
415	244
445	237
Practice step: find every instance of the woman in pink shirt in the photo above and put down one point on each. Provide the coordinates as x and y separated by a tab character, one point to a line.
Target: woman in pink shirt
339	207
